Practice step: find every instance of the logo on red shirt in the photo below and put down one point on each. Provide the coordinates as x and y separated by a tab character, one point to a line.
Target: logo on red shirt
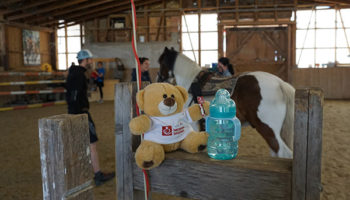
167	130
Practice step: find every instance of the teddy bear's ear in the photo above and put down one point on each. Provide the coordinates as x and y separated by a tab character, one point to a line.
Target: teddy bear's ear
183	92
139	99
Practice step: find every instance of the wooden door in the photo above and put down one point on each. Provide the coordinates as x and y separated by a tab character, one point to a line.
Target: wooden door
258	49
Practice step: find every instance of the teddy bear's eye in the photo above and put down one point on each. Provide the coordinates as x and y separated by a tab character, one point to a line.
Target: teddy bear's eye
165	96
172	96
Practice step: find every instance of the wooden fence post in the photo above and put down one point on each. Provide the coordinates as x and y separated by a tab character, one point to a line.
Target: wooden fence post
306	182
65	157
125	142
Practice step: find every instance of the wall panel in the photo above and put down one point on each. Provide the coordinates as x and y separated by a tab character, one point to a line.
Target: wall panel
335	82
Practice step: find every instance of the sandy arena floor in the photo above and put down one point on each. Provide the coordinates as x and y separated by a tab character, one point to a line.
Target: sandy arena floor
20	176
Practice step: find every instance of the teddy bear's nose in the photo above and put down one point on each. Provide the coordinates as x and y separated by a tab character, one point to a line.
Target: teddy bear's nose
169	102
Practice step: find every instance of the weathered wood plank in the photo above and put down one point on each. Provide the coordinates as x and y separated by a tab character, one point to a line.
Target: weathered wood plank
199	177
126	143
65	157
307	144
300	144
123	112
314	145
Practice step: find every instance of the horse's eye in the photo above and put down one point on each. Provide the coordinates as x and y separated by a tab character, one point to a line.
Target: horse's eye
165	96
172	96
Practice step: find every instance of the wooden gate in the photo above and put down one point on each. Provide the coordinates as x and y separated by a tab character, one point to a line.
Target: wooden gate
259	49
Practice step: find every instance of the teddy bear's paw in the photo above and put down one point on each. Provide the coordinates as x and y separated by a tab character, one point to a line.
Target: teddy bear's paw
206	106
195	142
149	155
140	124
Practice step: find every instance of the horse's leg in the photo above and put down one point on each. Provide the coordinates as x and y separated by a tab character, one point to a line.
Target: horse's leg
264	112
273	116
268	129
272	110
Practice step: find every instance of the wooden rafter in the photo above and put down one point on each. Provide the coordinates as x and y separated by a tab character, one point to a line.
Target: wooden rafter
8	2
26	26
347	2
61	13
89	12
46	9
31	5
109	12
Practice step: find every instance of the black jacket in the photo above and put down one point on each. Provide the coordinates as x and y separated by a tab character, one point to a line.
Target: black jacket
76	85
144	76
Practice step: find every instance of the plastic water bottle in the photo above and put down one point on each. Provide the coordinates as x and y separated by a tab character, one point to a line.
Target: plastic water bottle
223	126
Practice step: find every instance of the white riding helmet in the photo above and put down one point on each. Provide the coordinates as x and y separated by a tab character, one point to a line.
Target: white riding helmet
84	53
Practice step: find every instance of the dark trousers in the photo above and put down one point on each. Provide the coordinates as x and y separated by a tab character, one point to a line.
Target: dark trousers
100	86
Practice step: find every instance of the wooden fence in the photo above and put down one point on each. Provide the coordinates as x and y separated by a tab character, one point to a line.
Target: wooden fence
246	177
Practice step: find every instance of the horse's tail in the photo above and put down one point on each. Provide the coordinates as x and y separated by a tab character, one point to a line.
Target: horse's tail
287	131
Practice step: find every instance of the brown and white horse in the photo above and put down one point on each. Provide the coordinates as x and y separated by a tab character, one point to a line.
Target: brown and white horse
262	99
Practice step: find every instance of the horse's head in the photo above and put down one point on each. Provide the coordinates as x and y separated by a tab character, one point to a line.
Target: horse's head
166	62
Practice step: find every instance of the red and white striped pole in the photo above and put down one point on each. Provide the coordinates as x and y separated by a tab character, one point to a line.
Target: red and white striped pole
31	73
31	82
7	93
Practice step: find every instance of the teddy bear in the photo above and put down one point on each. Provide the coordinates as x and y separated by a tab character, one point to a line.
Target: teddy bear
166	124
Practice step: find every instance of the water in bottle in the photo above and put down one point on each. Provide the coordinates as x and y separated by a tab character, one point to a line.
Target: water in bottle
223	127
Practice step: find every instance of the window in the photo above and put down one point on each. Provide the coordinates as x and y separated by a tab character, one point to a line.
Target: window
200	40
69	41
322	37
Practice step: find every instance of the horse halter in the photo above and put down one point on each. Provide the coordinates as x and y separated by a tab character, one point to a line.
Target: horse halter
171	78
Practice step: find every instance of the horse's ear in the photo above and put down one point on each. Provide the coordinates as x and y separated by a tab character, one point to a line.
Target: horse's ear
166	49
172	48
183	92
139	99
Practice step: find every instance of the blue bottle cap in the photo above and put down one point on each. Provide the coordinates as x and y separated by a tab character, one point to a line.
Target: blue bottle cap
222	106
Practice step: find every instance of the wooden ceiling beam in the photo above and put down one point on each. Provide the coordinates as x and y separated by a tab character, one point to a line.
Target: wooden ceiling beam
69	10
31	5
322	2
347	2
46	9
109	12
26	26
8	2
90	12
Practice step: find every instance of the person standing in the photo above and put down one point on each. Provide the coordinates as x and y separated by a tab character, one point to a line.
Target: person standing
100	79
144	70
77	101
